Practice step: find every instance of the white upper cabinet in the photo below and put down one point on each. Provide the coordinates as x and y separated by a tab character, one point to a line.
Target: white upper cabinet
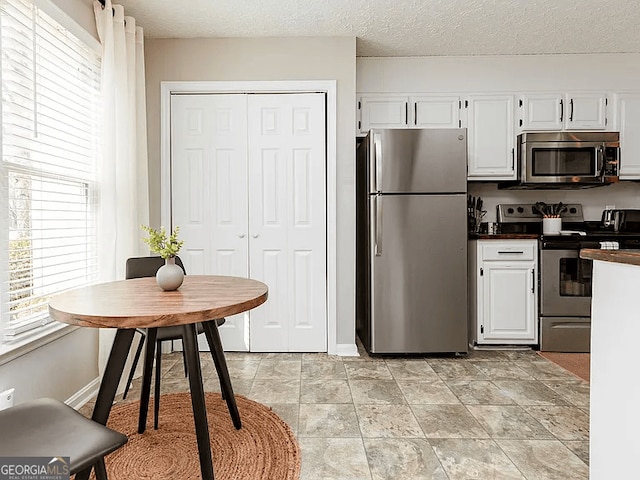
399	111
568	111
628	123
431	111
383	111
490	127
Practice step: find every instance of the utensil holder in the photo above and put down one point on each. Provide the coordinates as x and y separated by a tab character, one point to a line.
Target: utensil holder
551	225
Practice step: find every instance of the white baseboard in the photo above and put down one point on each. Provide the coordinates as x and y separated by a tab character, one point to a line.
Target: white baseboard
81	397
347	350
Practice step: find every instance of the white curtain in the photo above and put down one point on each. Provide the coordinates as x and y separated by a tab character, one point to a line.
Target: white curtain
123	172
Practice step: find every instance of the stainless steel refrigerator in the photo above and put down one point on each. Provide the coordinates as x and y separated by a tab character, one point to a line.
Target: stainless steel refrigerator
411	241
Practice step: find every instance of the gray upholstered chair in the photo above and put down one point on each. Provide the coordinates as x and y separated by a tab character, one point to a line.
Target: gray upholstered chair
48	428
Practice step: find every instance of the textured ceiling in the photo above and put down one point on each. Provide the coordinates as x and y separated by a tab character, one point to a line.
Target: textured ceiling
408	27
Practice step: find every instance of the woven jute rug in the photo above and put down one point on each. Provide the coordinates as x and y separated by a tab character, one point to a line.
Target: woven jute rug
577	363
263	449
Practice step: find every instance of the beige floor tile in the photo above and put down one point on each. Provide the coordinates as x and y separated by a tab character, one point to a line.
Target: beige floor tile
456	369
427	392
367	371
411	369
501	370
479	392
448	421
575	392
564	422
275	391
508	421
325	391
545	459
328	420
333	459
403	458
533	392
466	459
270	368
388	421
376	392
323	370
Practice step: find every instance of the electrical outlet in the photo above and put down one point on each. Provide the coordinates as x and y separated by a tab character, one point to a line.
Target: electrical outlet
6	398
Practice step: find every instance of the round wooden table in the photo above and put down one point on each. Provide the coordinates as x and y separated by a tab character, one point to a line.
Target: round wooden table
140	303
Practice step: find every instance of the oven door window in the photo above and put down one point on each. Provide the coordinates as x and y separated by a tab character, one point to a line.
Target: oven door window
563	162
575	277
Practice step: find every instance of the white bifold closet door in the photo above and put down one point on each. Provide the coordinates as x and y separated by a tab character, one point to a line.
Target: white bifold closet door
248	191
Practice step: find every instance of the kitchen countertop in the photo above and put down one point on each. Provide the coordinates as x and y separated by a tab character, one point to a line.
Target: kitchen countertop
503	236
628	257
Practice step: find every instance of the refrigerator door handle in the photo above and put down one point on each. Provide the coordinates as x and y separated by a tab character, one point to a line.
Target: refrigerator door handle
377	161
377	212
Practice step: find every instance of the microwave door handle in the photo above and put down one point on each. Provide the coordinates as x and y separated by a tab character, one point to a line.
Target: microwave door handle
600	164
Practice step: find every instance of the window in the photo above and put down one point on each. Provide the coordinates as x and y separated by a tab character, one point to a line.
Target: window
50	117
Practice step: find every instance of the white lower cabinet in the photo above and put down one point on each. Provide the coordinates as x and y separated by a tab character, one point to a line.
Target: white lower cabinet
503	292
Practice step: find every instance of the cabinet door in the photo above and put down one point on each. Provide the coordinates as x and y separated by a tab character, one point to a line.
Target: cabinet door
383	112
541	112
628	116
491	139
586	111
435	112
508	303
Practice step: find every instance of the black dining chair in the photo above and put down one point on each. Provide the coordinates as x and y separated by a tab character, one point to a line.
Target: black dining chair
138	267
48	428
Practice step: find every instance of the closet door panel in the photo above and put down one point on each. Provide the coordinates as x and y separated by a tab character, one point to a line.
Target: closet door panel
287	220
209	192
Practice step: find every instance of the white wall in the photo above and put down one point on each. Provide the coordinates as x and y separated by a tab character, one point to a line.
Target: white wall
60	369
498	73
517	74
253	59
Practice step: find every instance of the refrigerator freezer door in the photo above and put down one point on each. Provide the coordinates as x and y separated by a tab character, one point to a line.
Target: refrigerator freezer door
419	276
418	161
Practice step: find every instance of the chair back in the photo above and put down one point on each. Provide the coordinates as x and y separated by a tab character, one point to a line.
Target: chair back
138	267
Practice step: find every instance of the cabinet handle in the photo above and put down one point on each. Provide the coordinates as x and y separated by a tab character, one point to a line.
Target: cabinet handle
513	159
517	252
571	110
406	113
415	114
561	110
533	280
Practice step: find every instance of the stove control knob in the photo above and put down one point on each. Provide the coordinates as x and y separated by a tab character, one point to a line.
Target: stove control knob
573	210
520	210
510	210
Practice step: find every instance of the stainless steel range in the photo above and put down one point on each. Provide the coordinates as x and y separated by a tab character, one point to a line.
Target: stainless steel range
565	278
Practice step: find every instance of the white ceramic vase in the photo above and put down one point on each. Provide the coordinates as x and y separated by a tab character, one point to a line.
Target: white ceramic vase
169	276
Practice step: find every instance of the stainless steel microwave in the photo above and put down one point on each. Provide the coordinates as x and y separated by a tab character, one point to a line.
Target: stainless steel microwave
568	157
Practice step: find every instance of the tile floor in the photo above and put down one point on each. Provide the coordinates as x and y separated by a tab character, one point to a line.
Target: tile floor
489	415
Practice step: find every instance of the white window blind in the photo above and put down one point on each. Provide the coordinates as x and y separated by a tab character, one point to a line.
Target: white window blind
50	121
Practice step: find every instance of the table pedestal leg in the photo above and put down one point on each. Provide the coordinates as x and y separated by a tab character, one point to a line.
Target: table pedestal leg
215	345
110	380
198	401
146	378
